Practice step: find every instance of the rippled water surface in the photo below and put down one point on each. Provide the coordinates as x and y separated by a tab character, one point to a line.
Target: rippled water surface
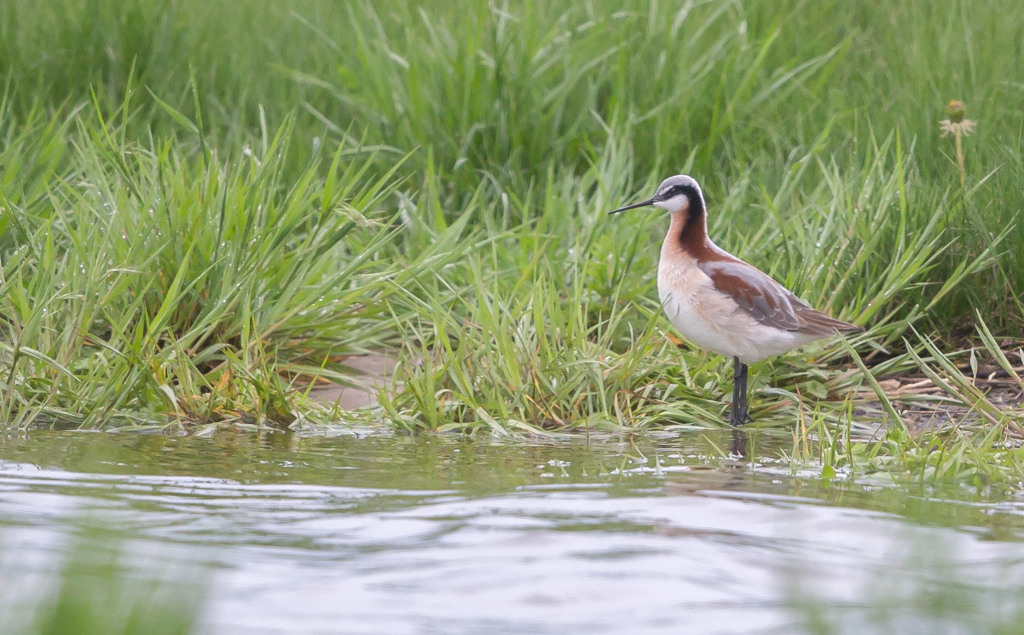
361	534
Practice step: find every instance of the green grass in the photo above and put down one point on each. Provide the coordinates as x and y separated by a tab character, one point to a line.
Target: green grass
205	204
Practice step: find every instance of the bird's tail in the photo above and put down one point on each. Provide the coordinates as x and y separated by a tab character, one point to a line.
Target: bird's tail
817	322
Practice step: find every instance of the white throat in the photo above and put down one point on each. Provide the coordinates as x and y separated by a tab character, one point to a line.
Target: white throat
674	204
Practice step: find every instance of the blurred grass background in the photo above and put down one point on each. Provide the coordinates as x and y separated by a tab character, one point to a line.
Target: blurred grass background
204	202
102	581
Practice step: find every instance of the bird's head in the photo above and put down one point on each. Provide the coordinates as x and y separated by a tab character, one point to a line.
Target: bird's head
675	194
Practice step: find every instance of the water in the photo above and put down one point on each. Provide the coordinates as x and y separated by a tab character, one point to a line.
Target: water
283	533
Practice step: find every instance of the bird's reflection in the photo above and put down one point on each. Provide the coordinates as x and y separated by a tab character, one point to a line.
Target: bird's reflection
739	443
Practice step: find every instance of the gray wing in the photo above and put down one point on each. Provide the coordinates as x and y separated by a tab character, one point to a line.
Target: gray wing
767	301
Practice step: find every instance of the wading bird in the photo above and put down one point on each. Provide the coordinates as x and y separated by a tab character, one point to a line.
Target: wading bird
721	303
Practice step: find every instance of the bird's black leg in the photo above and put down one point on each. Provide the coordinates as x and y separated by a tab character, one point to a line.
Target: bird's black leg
744	411
739	414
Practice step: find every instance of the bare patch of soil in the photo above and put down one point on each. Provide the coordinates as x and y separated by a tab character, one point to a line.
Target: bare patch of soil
371	372
925	405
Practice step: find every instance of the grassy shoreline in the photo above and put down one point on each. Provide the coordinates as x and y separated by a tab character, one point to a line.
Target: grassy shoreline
205	205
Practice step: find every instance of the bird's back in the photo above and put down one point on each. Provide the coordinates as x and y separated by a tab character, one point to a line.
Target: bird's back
766	300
